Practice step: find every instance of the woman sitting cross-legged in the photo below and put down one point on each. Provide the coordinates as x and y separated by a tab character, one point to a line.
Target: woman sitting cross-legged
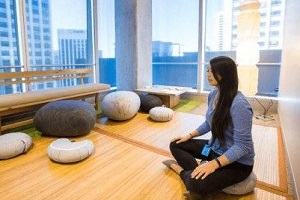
230	151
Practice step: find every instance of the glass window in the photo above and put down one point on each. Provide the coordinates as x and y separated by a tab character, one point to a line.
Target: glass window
175	42
221	40
53	35
50	40
106	42
9	45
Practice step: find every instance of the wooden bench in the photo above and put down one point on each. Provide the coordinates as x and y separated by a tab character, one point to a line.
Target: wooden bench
16	105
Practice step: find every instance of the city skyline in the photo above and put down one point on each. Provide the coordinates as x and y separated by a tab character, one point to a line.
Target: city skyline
183	14
62	20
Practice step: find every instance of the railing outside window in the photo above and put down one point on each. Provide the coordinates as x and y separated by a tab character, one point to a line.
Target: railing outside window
9	89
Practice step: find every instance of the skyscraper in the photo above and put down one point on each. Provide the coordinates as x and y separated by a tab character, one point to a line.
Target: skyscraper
37	29
72	46
271	25
38	22
38	33
10	56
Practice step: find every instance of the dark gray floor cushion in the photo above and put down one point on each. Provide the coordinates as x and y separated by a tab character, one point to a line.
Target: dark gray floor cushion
149	101
65	118
13	144
64	150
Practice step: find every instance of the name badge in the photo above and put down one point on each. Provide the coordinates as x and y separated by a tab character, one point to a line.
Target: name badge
205	150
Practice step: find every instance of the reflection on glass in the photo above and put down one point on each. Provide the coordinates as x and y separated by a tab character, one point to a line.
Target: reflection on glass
221	39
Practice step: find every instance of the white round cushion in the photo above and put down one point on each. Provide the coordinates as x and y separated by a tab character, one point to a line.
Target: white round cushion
120	105
64	150
161	114
13	144
243	187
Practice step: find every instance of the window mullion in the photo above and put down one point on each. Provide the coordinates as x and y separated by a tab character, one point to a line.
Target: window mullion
23	44
201	39
23	31
95	41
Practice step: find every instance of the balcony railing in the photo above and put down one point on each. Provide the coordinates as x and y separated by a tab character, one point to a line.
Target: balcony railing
8	89
185	75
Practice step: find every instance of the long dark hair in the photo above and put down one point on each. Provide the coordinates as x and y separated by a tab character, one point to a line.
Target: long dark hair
224	70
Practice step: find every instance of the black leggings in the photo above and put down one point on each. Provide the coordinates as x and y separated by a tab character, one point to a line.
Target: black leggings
185	154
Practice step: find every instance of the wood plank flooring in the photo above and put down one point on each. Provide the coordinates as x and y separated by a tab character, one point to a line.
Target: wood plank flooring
126	164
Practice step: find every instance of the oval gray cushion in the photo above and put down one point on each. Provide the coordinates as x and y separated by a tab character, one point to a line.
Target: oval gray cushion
243	187
65	118
65	151
149	101
161	114
120	105
13	144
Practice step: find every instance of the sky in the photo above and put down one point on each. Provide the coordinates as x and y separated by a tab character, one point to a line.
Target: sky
176	21
172	21
68	16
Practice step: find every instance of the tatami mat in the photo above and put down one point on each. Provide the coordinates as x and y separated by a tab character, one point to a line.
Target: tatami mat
156	136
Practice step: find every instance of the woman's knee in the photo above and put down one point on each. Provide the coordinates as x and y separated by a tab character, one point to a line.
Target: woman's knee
197	186
173	143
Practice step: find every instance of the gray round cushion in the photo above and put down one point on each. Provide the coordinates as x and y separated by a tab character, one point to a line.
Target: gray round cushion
13	144
66	118
120	105
65	151
149	101
243	187
161	114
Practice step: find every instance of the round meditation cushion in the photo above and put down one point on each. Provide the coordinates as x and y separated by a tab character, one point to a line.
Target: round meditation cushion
243	187
161	114
120	105
13	144
66	118
149	101
65	151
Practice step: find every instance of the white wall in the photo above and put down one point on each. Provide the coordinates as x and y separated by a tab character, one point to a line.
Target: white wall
289	90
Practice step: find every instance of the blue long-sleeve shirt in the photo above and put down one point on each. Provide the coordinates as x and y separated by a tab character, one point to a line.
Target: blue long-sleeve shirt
238	144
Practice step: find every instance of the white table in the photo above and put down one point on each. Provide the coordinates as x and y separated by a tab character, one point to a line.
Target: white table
169	95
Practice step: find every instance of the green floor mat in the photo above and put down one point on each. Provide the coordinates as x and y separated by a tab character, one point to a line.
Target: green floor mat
28	129
186	105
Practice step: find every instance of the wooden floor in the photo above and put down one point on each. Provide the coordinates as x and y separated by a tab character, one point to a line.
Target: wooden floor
126	164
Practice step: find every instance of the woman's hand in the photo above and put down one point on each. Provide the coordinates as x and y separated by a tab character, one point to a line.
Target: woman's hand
205	169
182	138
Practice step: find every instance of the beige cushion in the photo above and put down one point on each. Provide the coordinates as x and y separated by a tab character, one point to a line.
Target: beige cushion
243	187
120	105
13	144
161	114
64	150
36	97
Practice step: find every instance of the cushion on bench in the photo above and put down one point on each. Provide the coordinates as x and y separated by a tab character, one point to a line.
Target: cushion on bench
19	100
